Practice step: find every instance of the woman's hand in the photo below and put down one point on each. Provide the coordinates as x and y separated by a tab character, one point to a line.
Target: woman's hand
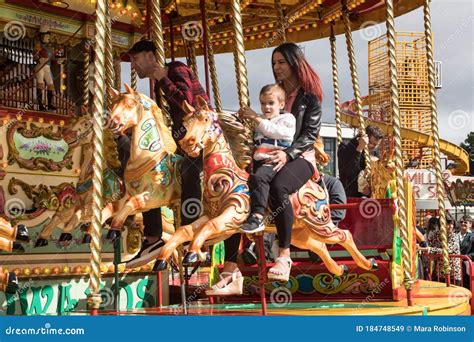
277	158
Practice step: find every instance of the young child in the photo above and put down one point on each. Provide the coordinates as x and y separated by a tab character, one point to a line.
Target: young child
274	131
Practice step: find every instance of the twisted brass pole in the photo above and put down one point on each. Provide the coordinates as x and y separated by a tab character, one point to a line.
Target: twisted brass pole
212	68
156	35
355	83
85	77
239	55
98	109
192	58
109	58
335	82
281	20
133	79
434	128
117	74
397	139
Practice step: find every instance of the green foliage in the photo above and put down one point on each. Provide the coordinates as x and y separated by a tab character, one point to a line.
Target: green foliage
468	145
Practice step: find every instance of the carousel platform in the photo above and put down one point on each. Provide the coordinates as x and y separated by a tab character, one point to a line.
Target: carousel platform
430	298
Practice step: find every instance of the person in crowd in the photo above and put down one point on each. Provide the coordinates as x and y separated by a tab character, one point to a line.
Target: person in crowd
295	164
274	130
178	83
351	161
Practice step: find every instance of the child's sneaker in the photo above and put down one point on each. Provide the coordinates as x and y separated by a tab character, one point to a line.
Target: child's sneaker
253	225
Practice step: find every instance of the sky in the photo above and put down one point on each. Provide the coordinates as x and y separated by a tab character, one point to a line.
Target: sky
452	25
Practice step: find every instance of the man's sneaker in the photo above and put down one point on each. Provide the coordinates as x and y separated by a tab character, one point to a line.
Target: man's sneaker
147	253
253	225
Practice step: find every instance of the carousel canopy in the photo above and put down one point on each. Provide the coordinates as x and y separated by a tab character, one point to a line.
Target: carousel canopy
265	22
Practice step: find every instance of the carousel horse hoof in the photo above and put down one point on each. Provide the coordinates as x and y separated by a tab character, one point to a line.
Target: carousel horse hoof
160	265
65	237
113	234
12	284
87	238
375	266
190	259
22	234
40	242
249	257
345	270
18	248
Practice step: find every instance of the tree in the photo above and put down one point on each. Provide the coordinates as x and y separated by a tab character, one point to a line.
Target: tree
468	145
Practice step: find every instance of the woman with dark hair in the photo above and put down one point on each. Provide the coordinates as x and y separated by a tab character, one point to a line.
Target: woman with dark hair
295	164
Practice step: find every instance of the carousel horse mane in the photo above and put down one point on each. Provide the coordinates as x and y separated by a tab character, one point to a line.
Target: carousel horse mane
238	135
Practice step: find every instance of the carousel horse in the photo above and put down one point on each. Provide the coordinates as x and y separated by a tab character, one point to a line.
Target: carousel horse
80	213
151	176
226	201
8	236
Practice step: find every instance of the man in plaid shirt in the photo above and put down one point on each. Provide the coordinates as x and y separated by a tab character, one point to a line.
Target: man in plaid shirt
178	83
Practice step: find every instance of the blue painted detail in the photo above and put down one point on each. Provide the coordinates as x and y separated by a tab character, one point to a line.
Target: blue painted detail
242	189
305	283
319	203
162	166
145	103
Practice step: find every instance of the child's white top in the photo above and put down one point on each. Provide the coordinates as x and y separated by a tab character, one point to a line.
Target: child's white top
274	134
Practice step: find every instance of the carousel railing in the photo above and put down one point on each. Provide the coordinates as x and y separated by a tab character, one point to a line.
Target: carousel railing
18	87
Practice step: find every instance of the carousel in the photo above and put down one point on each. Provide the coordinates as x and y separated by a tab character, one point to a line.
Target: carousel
69	219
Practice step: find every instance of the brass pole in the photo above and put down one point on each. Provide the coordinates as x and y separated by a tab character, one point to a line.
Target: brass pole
335	82
212	66
355	83
98	109
109	58
117	74
156	35
133	79
85	76
239	55
192	58
434	128
397	139
281	20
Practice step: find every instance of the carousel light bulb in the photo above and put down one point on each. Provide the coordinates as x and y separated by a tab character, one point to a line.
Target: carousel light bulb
112	6
119	5
123	12
63	75
63	87
270	25
255	28
225	34
134	14
129	7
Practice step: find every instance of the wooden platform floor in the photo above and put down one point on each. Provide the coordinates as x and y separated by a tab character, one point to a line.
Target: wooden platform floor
430	298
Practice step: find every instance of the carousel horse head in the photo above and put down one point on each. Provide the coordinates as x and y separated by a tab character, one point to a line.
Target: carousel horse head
79	131
126	109
201	127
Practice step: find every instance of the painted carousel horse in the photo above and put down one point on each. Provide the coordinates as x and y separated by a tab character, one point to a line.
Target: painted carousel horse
226	201
151	175
8	236
80	135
